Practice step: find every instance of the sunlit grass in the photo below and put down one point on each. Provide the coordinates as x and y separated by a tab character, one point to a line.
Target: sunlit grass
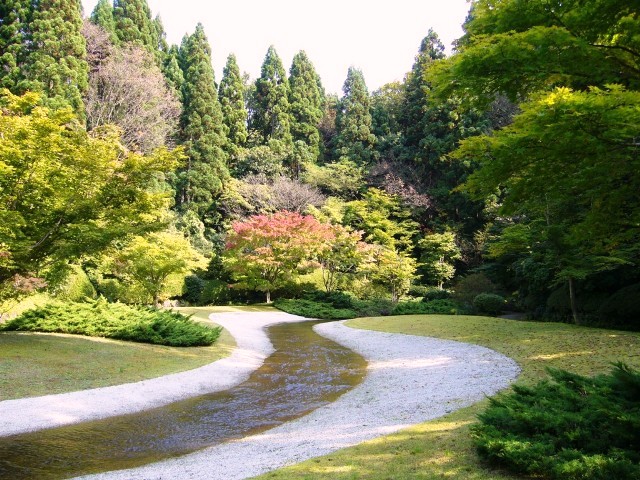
33	364
442	448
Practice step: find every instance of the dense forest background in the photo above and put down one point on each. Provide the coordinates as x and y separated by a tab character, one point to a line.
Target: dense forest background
509	168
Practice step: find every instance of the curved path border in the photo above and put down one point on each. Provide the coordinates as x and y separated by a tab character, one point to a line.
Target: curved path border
409	380
252	347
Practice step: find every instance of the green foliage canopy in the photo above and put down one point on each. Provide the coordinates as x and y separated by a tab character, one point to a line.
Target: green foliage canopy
64	193
571	160
149	261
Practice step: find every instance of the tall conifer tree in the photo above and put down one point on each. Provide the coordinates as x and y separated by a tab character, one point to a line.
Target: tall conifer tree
102	16
57	65
172	71
234	112
353	121
306	102
202	130
134	24
418	88
270	116
14	31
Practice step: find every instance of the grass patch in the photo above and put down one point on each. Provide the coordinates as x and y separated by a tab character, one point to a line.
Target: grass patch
35	364
444	448
116	321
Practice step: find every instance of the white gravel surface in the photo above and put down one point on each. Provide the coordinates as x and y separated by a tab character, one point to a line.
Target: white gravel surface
253	346
409	380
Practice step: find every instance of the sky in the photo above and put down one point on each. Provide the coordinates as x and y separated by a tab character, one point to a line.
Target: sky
381	38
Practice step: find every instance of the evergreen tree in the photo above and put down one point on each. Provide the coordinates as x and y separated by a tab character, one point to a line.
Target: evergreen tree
160	38
353	122
202	129
231	94
306	102
14	23
172	71
432	128
417	90
102	16
270	116
134	24
57	65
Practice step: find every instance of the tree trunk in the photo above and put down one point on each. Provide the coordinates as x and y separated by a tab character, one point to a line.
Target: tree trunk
268	296
572	301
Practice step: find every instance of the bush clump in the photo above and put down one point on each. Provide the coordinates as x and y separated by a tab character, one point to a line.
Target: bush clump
117	321
311	309
444	307
489	303
569	428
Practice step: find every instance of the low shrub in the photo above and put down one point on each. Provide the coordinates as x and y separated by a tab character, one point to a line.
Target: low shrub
471	286
193	288
115	320
489	303
377	307
76	287
428	293
444	307
336	299
311	309
569	428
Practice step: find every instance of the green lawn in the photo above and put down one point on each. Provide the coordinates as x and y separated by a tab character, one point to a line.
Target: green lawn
442	448
33	364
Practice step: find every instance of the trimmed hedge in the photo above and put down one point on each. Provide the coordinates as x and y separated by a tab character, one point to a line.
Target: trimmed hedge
117	321
569	428
340	306
443	307
311	309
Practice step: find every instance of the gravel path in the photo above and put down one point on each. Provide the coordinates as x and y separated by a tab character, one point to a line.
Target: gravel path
253	346
409	380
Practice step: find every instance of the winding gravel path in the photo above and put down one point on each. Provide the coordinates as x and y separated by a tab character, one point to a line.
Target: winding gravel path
409	380
253	346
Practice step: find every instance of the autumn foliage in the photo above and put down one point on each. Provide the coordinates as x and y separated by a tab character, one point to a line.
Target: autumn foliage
264	251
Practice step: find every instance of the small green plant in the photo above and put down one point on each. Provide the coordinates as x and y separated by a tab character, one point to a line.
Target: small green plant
311	309
115	320
569	428
446	307
489	303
